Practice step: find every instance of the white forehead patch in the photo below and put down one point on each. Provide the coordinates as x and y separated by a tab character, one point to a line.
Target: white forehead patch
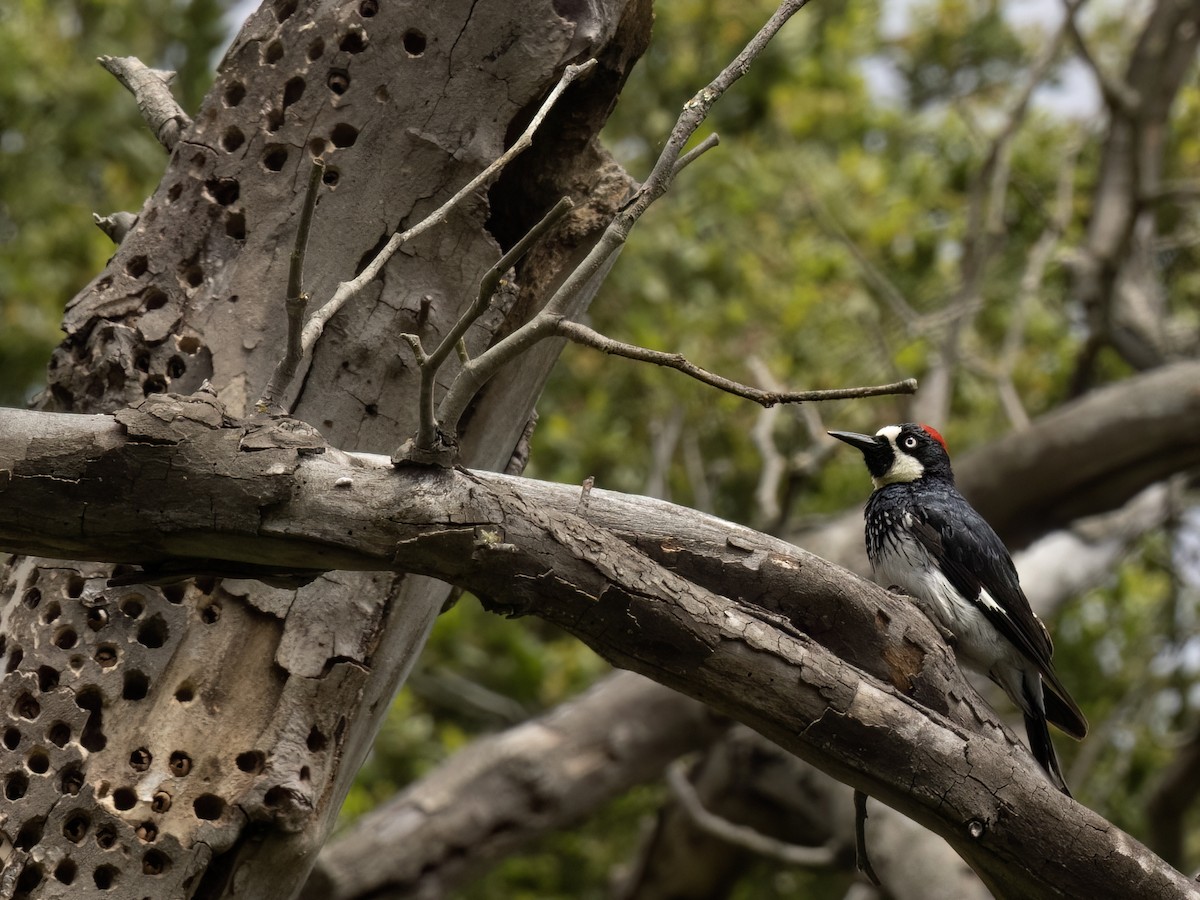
904	468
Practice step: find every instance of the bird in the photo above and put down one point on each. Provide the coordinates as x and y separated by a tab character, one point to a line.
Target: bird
925	540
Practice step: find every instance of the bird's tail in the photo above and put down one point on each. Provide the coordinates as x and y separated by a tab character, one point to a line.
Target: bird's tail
1038	732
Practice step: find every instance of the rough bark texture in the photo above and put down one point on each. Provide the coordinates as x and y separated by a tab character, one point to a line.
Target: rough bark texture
200	737
944	760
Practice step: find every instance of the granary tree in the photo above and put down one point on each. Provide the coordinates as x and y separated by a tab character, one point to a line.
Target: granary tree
307	379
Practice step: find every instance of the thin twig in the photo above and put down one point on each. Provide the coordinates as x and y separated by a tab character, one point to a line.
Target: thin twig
346	290
1122	97
427	431
297	299
151	89
742	835
476	374
861	859
581	334
695	153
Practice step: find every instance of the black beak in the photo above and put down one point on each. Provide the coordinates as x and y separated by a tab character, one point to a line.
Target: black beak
864	442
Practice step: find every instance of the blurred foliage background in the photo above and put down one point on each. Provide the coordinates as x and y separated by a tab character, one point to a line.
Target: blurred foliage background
821	245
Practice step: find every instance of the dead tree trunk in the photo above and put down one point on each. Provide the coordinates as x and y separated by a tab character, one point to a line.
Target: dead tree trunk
197	739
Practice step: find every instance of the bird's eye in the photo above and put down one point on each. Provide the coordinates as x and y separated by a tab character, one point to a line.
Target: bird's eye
910	443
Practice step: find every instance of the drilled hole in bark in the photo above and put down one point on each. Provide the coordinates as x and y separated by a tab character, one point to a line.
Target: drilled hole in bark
38	762
15	785
75	586
316	146
65	872
27	707
208	807
305	773
105	877
51	612
189	344
293	91
97	617
133	605
232	139
71	780
174	593
235	92
12	738
152	633
14	660
316	49
77	826
180	764
106	837
414	42
223	190
338	81
194	276
331	177
371	409
106	655
211	613
316	741
343	135
174	192
137	266
355	41
160	802
235	225
176	367
251	761
30	878
275	157
47	678
124	798
30	834
32	598
368	8
136	686
155	384
274	120
141	361
185	693
147	832
155	862
140	759
272	53
382	95
92	738
66	638
58	734
284	9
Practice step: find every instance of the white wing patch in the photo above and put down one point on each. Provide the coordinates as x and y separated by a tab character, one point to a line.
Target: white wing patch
904	468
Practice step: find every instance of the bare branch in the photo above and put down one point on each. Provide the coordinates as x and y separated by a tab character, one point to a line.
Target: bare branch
151	88
477	373
1117	93
297	299
743	835
695	153
581	334
116	225
347	290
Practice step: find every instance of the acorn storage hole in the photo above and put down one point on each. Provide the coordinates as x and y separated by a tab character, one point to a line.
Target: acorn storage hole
105	877
414	42
124	798
232	139
208	807
76	827
65	872
155	862
136	686
153	633
251	761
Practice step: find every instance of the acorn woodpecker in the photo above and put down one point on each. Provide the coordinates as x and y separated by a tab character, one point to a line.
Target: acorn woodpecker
926	540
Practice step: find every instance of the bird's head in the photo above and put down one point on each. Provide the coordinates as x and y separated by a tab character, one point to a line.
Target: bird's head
901	453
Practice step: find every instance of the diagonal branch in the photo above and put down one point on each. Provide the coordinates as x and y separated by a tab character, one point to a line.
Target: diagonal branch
581	334
151	88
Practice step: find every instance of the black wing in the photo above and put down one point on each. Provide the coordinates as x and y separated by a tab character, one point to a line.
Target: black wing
974	559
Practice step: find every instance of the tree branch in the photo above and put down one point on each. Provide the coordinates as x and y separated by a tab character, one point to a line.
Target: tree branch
849	699
151	88
296	300
585	336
